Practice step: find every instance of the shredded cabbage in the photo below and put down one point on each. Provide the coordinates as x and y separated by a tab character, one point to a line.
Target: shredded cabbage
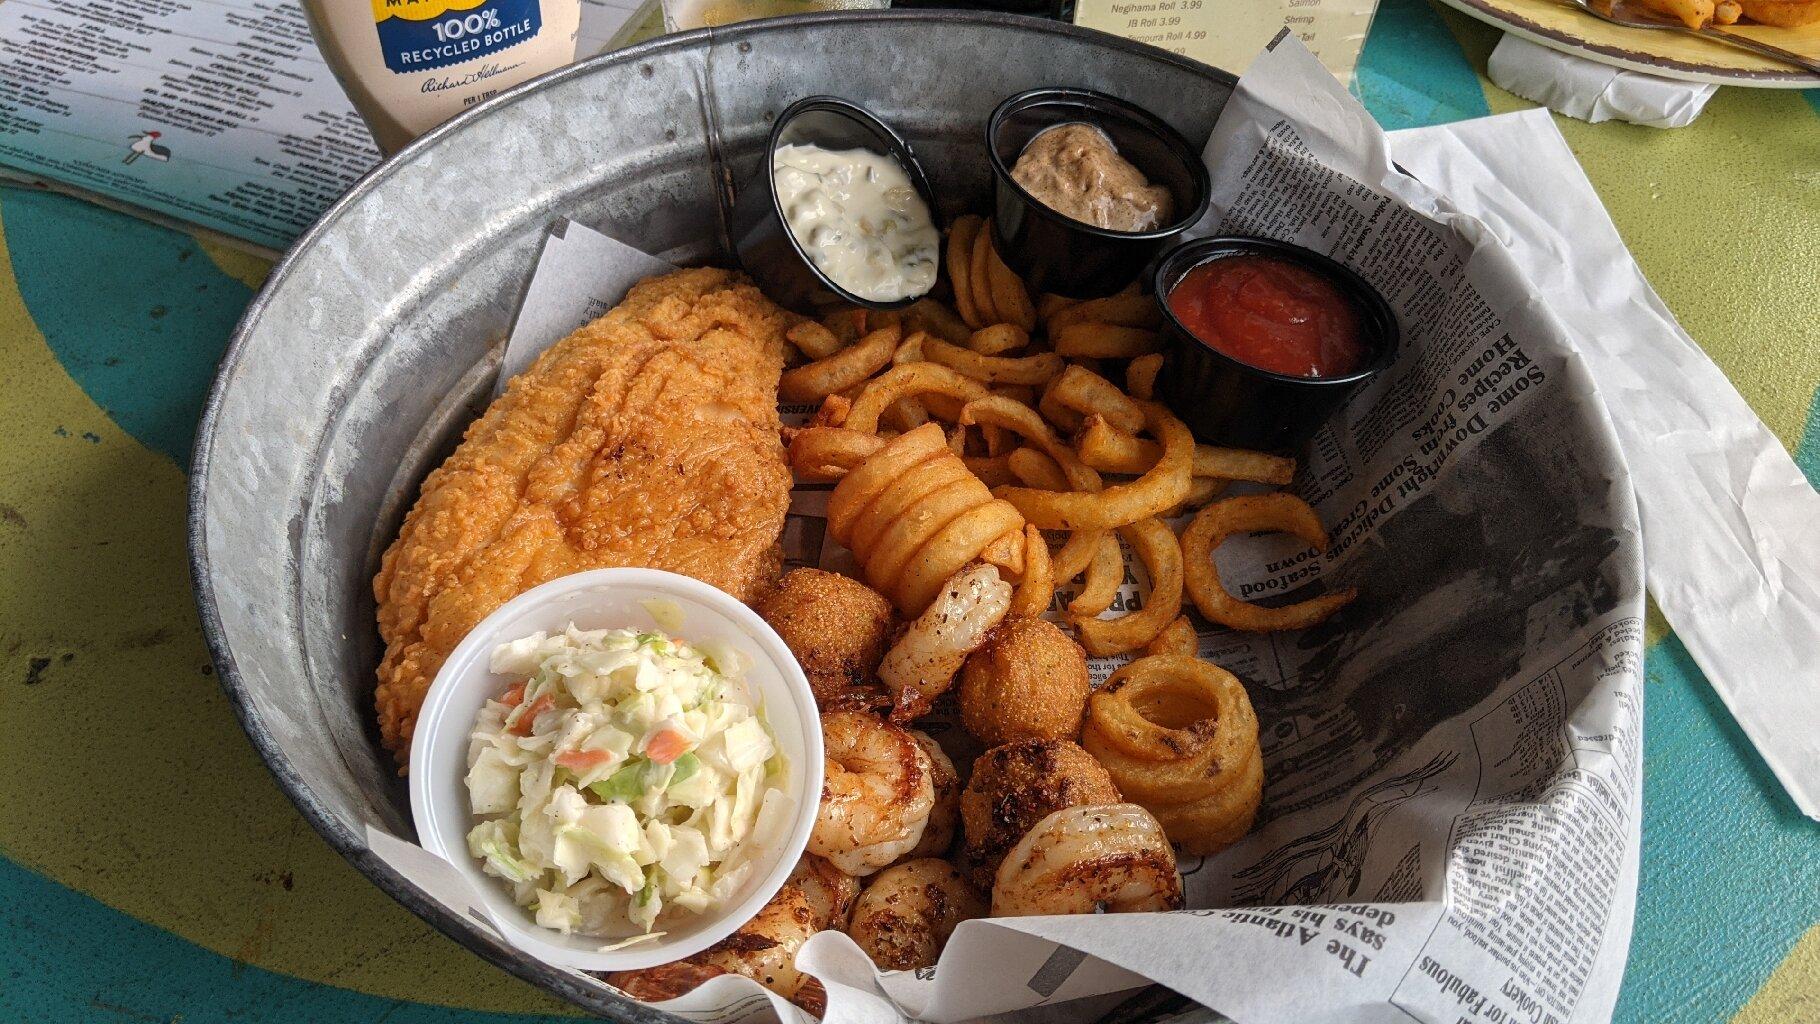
632	779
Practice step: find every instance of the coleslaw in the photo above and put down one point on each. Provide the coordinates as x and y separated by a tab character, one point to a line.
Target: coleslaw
627	778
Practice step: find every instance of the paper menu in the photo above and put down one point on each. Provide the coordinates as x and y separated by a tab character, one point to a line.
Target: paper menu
218	114
1228	34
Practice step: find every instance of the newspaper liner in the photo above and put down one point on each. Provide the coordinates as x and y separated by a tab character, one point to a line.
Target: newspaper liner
1450	831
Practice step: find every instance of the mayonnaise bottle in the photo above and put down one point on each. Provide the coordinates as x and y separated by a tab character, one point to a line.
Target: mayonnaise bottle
410	65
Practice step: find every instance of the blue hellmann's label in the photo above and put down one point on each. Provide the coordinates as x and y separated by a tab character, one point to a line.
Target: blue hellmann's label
422	35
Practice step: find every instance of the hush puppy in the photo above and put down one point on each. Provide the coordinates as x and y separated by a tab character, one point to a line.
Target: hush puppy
837	627
1029	682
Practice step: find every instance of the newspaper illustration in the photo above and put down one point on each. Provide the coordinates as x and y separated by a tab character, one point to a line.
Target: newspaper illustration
1450	826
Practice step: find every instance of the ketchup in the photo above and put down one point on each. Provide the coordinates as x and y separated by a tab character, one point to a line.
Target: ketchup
1271	314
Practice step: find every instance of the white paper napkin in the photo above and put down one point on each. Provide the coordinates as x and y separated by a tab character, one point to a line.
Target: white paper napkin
1592	91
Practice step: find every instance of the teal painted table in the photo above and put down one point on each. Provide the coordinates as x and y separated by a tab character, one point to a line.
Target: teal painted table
152	871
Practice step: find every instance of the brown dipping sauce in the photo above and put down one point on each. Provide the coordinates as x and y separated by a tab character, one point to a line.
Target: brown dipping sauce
1075	170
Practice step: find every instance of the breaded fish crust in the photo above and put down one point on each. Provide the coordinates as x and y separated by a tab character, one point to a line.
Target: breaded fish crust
646	438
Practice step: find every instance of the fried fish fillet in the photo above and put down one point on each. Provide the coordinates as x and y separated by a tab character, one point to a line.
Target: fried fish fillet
649	438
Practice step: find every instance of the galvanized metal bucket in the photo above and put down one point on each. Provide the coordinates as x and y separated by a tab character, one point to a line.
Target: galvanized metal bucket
377	338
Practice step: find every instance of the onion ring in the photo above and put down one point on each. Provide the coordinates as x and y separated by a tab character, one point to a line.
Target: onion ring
1208	728
1253	513
1219	819
1190	691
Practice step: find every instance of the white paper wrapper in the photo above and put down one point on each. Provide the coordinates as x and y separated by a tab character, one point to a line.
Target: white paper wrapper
1450	829
553	306
1729	519
1592	91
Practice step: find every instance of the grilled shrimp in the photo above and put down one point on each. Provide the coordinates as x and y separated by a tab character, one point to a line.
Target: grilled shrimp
1014	787
922	664
1092	856
876	794
938	835
905	916
665	981
764	949
830	890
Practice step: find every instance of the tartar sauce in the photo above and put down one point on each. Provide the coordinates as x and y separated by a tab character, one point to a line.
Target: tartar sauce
859	218
627	778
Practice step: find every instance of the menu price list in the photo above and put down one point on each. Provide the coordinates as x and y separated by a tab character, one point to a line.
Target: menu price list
1229	33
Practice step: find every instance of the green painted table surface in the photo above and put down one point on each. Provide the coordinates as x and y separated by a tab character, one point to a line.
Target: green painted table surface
152	871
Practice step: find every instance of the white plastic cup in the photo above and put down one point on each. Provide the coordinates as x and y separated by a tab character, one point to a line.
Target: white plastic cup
603	599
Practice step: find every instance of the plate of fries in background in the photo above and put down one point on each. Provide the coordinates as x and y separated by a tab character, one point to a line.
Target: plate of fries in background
1792	25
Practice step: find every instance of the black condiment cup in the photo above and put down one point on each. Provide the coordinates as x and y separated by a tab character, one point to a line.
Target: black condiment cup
761	236
1226	401
1052	251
